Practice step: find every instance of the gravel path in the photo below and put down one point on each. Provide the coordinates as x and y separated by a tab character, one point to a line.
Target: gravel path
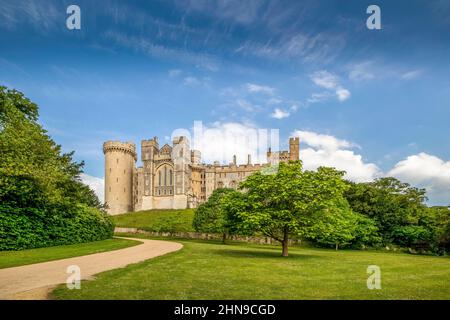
36	280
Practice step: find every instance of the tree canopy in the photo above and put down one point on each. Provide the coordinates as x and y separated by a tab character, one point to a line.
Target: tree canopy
41	192
288	202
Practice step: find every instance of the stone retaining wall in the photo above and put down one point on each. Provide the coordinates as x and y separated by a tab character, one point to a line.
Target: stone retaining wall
203	236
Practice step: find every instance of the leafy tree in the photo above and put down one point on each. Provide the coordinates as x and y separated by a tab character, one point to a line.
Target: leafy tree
390	203
366	232
334	226
441	226
285	203
339	226
411	235
213	216
42	199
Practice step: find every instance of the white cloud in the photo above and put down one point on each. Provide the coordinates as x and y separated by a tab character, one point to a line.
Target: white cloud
323	141
330	82
426	171
421	170
325	79
255	88
327	150
96	184
342	94
279	114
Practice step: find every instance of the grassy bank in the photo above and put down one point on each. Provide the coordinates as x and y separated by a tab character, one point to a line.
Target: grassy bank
157	220
211	270
23	257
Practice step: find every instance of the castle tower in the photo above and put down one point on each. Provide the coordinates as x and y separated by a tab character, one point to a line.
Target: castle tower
294	148
181	157
149	149
120	158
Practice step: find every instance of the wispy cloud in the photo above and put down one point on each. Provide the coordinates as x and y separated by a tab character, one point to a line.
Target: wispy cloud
279	114
375	70
321	48
413	74
330	82
149	47
237	11
255	88
43	16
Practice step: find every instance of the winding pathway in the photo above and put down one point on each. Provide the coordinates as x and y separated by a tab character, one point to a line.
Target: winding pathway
35	281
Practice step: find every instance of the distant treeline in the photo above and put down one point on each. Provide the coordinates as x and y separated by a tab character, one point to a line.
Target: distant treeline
322	207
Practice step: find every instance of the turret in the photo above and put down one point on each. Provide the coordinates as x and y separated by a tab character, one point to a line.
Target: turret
294	148
120	158
196	157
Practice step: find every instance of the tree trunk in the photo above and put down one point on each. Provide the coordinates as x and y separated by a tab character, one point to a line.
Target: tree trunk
337	246
224	237
285	243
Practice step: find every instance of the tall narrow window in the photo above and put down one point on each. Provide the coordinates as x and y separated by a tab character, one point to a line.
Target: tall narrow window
165	175
170	177
159	177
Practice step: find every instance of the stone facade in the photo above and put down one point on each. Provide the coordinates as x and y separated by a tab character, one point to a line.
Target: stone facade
171	177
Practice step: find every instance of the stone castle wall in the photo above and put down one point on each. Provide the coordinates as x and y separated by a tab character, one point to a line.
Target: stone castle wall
171	177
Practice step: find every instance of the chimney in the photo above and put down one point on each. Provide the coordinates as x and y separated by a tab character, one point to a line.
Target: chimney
234	159
249	159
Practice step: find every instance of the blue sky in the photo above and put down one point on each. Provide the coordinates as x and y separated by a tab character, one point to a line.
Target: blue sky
372	102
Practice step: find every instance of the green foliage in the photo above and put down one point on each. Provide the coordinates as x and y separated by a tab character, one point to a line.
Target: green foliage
214	216
290	201
42	199
400	213
366	232
411	235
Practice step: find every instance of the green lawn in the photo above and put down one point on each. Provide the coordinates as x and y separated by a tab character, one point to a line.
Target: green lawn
157	220
23	257
211	270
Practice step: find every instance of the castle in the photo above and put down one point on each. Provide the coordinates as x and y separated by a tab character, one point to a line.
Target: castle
171	177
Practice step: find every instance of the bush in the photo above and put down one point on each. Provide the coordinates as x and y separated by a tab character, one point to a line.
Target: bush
26	228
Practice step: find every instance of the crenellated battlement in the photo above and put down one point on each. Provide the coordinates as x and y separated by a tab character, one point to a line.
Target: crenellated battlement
127	147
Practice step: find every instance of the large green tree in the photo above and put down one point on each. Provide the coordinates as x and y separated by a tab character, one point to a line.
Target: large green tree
287	202
212	216
42	199
397	208
339	226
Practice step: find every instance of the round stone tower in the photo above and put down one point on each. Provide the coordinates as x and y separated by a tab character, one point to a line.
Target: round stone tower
120	158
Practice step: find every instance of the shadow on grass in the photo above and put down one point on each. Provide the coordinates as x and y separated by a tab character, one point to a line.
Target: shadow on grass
271	253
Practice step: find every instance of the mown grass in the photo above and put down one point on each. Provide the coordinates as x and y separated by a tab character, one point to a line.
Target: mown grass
24	257
211	270
157	220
